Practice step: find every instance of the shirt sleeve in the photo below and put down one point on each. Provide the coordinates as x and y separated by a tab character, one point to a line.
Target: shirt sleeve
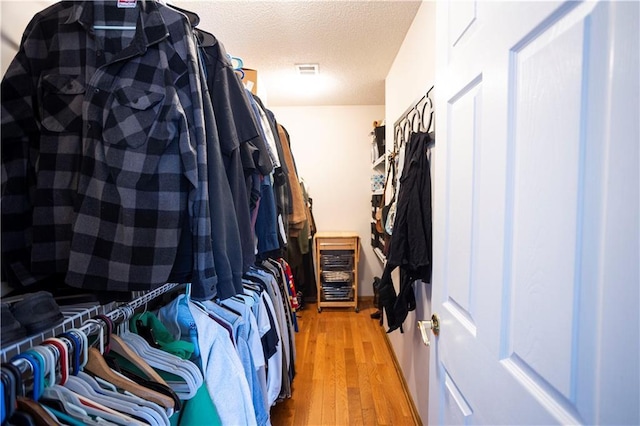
20	141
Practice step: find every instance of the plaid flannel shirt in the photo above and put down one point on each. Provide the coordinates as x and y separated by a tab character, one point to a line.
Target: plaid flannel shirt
103	149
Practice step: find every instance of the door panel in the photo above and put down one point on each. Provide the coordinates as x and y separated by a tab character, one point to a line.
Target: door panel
462	15
544	219
457	407
536	247
463	109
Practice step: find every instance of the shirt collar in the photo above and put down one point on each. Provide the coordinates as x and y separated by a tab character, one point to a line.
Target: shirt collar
150	28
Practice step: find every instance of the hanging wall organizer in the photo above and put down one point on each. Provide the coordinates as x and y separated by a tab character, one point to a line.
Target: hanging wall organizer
419	117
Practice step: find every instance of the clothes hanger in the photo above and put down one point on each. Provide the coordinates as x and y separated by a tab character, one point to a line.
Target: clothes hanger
50	360
227	307
86	410
108	331
118	402
74	353
161	359
193	17
115	27
119	346
63	359
87	327
40	372
9	390
205	39
40	415
97	366
84	345
31	379
236	62
106	393
123	367
54	401
165	361
106	389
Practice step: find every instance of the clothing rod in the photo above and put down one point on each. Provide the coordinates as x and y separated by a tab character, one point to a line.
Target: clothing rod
142	300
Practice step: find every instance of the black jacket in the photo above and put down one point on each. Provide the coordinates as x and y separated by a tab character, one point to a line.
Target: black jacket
411	242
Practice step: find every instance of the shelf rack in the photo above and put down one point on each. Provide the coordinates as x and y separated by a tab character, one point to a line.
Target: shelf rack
337	255
77	315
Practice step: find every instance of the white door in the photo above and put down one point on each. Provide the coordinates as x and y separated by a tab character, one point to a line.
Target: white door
536	214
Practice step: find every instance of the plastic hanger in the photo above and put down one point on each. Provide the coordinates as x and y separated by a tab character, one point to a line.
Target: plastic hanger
105	393
30	374
75	353
63	359
97	366
11	373
84	345
120	403
70	344
119	346
83	409
50	360
108	331
165	361
9	389
115	27
39	414
236	62
86	328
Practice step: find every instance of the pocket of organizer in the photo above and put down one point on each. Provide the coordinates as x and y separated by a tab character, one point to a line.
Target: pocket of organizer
61	98
133	117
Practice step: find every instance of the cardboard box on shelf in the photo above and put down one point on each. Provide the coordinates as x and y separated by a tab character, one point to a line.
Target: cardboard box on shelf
250	80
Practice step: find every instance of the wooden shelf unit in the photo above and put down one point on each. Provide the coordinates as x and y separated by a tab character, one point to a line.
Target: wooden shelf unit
336	259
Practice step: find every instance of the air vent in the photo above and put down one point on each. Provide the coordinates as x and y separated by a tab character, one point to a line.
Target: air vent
307	69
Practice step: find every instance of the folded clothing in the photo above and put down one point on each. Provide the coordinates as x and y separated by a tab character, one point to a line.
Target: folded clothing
11	328
37	312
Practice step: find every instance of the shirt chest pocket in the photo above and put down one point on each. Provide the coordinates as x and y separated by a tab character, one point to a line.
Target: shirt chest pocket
132	117
60	103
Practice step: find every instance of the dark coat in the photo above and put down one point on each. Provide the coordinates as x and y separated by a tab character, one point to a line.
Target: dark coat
411	242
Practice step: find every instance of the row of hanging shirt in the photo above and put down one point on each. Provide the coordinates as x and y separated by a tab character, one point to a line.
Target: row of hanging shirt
188	362
134	156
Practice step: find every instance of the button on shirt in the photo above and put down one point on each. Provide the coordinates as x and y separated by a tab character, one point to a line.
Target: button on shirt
104	154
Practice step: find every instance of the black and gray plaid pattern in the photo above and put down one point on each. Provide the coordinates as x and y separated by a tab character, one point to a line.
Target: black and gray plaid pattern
103	149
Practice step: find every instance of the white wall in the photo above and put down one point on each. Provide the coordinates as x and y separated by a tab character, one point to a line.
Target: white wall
332	149
410	76
14	17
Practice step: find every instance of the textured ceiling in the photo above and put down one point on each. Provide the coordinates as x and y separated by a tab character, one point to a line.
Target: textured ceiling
354	43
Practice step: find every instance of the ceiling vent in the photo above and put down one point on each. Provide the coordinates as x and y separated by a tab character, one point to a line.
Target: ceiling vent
307	69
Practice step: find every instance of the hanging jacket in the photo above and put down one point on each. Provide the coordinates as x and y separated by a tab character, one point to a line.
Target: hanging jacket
236	127
103	150
411	242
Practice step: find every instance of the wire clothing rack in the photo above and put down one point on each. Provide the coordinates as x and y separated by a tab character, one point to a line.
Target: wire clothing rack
78	315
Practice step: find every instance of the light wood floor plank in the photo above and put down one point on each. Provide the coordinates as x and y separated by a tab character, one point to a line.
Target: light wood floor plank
345	374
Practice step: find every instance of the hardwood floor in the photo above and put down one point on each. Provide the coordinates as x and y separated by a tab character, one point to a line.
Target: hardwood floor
345	374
